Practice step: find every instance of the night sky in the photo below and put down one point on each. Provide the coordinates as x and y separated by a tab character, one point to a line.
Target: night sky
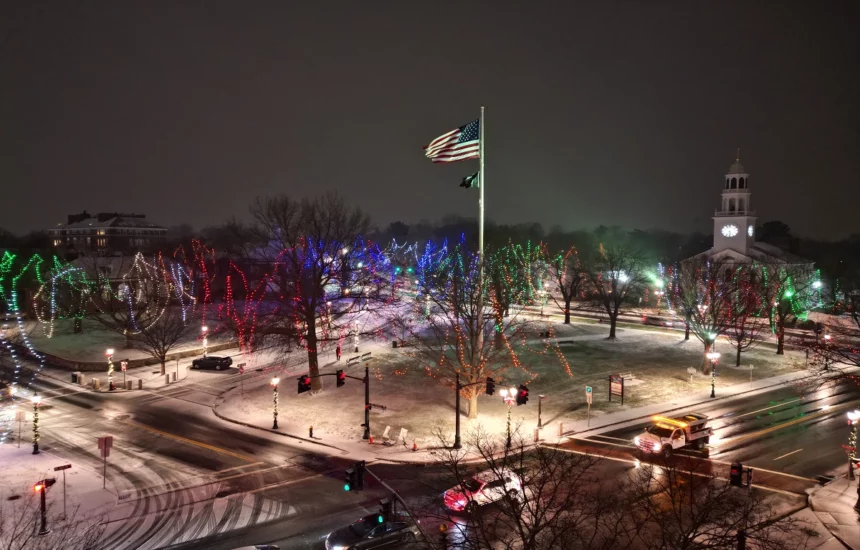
623	113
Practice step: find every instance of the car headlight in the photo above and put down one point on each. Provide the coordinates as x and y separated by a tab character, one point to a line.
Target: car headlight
636	440
656	446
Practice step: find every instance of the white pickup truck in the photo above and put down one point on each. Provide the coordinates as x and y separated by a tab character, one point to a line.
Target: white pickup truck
669	434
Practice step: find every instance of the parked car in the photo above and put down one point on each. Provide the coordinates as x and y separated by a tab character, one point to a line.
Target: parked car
657	321
212	362
368	532
483	488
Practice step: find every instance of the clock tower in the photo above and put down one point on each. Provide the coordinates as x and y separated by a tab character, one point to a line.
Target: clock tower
734	223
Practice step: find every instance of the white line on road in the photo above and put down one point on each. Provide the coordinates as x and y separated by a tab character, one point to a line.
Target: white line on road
787	454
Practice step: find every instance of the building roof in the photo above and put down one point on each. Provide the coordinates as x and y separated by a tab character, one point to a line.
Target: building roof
117	221
759	252
737	168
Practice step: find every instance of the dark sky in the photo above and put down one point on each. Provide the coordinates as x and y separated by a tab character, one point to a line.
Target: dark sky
607	112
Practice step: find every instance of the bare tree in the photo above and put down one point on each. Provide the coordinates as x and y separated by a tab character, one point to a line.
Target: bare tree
323	276
19	526
841	341
568	277
705	290
615	275
159	338
454	320
130	294
785	288
683	505
747	317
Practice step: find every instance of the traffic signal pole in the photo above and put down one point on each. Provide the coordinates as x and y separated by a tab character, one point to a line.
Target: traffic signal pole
366	403
43	530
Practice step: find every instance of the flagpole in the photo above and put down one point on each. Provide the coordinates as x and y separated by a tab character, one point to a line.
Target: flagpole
481	185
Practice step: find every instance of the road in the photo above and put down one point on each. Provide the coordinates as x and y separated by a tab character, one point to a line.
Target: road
187	479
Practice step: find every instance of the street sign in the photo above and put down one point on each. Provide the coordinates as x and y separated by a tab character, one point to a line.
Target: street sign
123	365
242	369
20	415
63	467
616	386
588	394
105	443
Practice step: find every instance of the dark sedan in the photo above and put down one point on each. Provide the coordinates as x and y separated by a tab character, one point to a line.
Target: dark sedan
369	532
212	362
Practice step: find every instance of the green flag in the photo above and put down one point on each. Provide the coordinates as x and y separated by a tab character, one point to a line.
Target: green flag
473	181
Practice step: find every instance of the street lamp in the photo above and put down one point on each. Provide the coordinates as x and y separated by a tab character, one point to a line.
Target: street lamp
509	397
541	397
713	357
109	354
274	383
205	331
36	399
853	417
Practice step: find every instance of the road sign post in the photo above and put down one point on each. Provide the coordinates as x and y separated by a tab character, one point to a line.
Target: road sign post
63	468
123	366
588	395
616	386
691	371
105	443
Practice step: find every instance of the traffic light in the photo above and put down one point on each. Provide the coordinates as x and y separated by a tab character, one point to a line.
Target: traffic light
491	386
341	378
386	508
350	481
523	395
736	474
304	383
360	469
43	484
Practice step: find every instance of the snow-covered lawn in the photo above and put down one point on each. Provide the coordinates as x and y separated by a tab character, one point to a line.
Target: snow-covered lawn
420	401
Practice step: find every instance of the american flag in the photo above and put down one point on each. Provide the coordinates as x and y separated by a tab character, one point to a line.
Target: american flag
460	144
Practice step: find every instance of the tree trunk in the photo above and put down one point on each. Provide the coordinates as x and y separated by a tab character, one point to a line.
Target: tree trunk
780	341
79	328
567	312
127	335
473	405
738	360
613	320
163	366
706	363
499	338
313	359
686	331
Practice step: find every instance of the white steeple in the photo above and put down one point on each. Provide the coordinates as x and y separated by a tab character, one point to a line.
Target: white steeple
734	223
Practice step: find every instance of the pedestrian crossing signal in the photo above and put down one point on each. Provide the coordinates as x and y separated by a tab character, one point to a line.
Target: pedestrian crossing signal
736	474
304	383
491	386
523	395
341	378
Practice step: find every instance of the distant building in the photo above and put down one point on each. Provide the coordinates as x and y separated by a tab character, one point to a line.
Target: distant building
107	232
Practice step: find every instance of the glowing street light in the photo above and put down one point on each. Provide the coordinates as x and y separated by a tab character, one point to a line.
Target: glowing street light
275	381
109	353
713	357
205	331
816	285
36	399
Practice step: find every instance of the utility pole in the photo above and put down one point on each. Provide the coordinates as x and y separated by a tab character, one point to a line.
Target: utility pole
457	443
366	402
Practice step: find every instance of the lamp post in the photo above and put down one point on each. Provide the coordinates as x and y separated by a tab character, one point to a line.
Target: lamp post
36	400
205	331
541	397
274	383
509	397
713	357
109	354
853	417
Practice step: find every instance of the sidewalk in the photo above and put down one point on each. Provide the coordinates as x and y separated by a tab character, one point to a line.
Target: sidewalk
833	506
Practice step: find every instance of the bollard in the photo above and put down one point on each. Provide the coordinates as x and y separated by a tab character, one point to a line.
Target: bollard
537	435
174	377
140	384
82	380
96	384
311	432
166	379
129	385
560	428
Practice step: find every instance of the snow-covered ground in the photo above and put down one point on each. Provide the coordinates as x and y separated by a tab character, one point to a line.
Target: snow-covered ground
422	401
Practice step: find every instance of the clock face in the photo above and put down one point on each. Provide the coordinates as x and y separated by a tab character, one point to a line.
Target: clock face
730	230
750	230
